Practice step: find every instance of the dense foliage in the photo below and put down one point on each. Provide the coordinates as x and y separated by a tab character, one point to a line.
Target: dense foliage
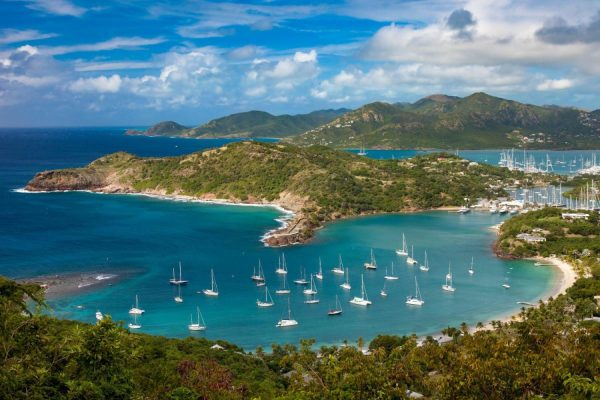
473	122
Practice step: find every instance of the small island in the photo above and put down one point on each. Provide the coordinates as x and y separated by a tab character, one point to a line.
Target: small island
317	184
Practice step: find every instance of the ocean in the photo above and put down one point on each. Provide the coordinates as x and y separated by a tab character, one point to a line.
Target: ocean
140	239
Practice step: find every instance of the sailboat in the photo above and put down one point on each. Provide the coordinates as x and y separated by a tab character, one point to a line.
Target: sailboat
281	268
371	264
339	269
404	250
312	300
99	316
363	300
175	281
214	290
410	260
425	267
319	275
134	324
346	285
505	285
313	289
338	308
260	277
415	300
268	300
196	326
178	298
362	151
136	310
302	280
390	277
285	322
448	286
285	289
383	291
471	269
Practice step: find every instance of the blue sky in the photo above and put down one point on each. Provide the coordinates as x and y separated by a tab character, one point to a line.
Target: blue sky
133	63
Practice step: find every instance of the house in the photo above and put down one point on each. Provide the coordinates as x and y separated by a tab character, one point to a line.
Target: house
575	216
529	238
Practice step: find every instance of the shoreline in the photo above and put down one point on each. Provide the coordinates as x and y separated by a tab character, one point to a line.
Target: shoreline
284	220
62	285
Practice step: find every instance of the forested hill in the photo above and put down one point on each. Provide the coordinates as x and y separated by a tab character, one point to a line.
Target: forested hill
246	124
477	121
318	183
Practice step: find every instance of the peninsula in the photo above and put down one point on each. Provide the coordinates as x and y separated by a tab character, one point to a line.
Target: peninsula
318	184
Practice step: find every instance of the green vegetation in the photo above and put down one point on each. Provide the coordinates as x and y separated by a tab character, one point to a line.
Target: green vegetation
247	124
575	239
319	183
474	122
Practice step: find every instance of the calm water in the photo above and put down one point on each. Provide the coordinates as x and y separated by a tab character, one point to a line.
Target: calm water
142	238
563	162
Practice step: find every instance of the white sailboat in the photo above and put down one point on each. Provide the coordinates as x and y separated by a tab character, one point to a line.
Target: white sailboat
302	280
338	308
312	289
415	300
383	292
260	277
178	298
285	322
312	300
284	289
214	290
410	260
448	285
390	277
339	269
134	324
425	267
346	285
175	281
362	151
505	285
471	269
463	210
404	250
197	326
268	300
282	267
99	316
363	300
371	264
136	310
319	275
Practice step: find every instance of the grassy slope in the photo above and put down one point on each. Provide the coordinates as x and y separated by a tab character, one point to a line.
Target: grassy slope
476	121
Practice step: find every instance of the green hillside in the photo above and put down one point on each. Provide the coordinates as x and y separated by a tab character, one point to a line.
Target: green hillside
249	124
318	183
473	122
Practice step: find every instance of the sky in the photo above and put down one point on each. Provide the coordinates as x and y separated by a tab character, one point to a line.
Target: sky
134	63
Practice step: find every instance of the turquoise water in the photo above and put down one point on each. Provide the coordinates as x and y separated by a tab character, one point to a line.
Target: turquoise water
564	162
141	239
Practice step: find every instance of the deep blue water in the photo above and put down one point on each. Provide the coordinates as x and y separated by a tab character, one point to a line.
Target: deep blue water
142	238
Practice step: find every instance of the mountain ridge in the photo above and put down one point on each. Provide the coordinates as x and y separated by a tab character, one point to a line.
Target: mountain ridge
446	122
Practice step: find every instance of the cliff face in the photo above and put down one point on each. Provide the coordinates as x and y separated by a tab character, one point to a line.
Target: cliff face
76	179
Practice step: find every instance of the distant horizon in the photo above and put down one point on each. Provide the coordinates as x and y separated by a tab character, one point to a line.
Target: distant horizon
194	124
64	62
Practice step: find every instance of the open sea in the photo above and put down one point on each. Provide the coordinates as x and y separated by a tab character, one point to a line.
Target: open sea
140	239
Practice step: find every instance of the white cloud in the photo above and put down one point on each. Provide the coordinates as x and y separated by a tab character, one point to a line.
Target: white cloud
256	91
116	43
311	56
58	7
505	34
555	84
15	36
83	66
101	84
